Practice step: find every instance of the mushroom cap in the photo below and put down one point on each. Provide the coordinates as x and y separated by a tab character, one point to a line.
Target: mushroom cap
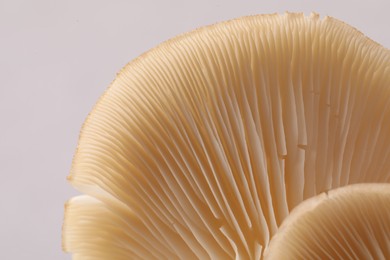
350	222
201	147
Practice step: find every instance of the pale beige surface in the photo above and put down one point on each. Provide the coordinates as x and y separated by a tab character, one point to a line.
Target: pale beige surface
351	222
57	58
203	145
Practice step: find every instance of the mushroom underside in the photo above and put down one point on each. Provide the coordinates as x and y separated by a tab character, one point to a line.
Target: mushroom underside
202	147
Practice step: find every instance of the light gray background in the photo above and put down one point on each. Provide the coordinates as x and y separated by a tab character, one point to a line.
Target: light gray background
57	58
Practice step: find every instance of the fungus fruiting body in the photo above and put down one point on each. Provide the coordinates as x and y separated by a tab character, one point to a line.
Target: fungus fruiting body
350	222
202	147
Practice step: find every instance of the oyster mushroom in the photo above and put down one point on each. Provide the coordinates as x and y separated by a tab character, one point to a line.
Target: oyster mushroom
202	146
350	222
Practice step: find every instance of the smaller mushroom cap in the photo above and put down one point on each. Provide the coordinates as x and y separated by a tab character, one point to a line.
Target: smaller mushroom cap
352	222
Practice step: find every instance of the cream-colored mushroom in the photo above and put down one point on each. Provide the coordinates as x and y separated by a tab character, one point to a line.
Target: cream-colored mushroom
201	147
351	222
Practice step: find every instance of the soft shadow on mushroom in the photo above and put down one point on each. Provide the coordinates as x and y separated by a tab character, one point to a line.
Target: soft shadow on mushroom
201	147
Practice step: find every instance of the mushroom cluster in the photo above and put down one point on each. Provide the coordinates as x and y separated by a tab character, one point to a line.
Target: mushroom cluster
261	137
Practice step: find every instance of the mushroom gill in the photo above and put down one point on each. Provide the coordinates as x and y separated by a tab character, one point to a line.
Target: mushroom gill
201	147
